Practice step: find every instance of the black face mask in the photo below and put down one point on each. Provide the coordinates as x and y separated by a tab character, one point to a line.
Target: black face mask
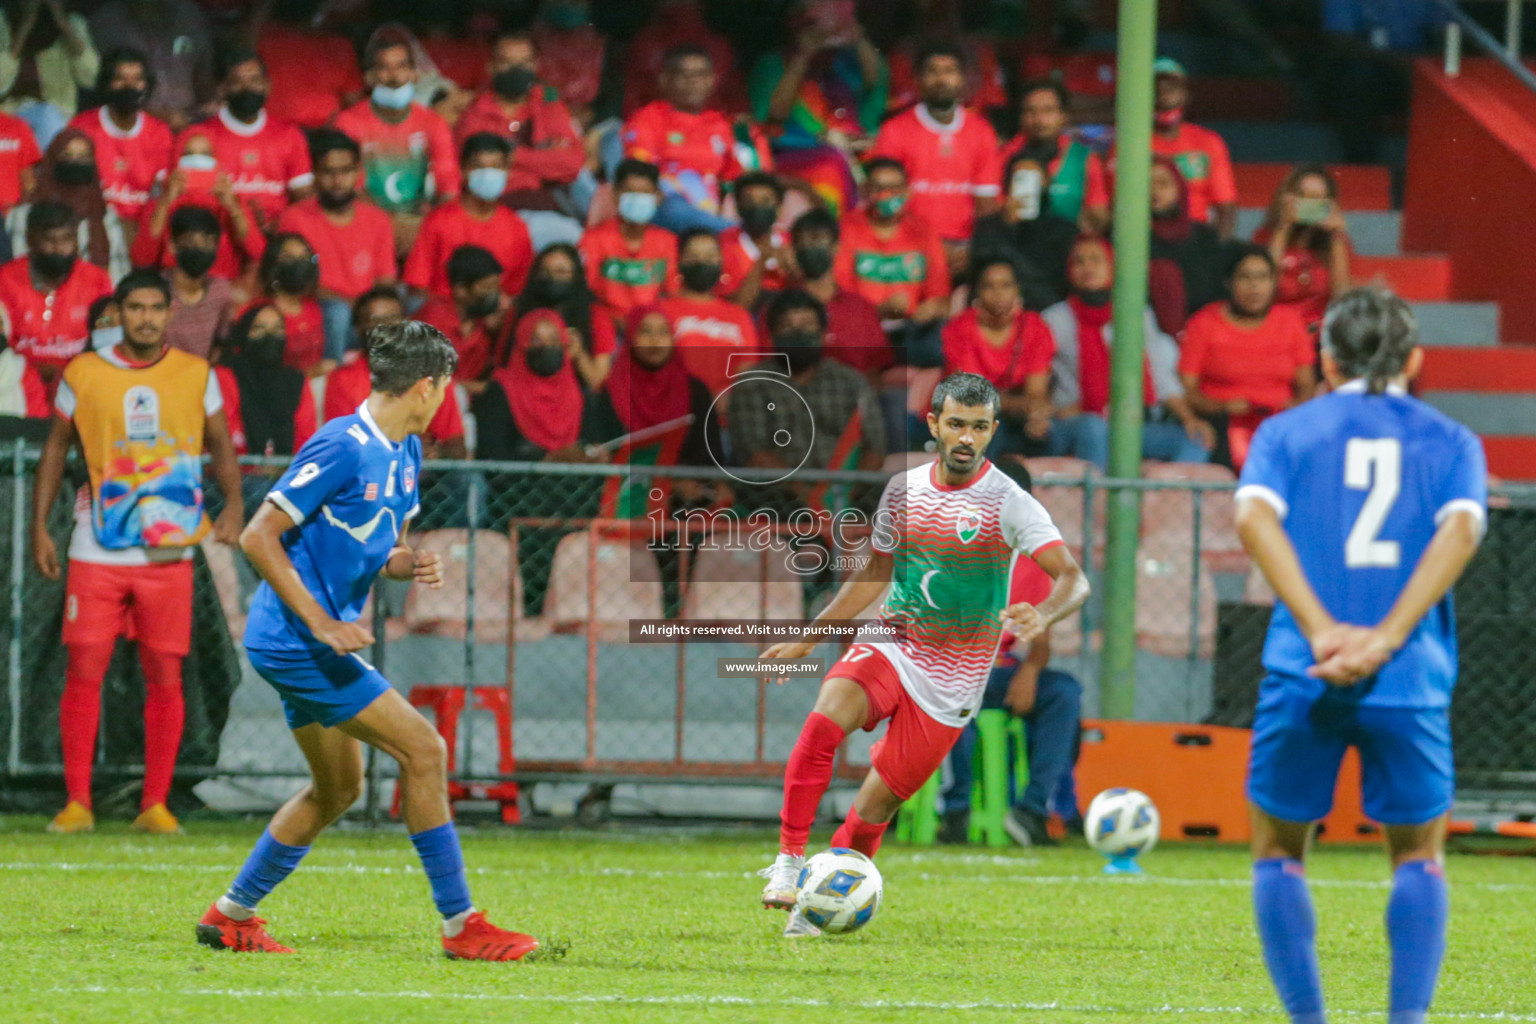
700	277
1042	153
803	348
195	262
124	101
482	306
814	260
513	83
296	276
335	201
757	219
51	266
246	103
547	289
544	360
67	172
265	348
1097	298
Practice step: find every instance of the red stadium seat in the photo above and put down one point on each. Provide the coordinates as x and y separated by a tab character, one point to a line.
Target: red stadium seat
738	583
630	586
1164	571
445	612
1171	512
1064	501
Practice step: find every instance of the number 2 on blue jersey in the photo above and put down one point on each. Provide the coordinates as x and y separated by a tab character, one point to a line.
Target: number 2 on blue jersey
1375	466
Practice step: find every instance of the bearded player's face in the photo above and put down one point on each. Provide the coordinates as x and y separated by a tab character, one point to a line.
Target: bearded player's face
963	433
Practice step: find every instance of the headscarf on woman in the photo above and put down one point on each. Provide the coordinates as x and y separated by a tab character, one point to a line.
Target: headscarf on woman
270	392
85	198
643	397
546	408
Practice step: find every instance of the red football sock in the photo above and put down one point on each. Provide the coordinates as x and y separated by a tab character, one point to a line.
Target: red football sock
806	778
164	713
79	714
858	834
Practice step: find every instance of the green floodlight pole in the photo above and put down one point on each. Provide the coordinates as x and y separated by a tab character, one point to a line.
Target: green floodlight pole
1137	30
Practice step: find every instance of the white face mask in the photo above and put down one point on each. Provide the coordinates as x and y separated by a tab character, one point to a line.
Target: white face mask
198	162
106	337
397	98
1025	189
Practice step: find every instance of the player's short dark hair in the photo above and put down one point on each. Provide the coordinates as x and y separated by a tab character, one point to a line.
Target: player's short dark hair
1245	251
1035	85
814	220
190	220
138	280
682	51
470	263
938	48
483	142
759	179
228	60
378	293
885	163
118	56
1013	466
400	354
966	389
632	168
789	300
692	233
324	141
49	215
1370	333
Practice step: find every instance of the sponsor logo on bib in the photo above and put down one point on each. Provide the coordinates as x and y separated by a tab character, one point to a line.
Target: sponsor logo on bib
141	413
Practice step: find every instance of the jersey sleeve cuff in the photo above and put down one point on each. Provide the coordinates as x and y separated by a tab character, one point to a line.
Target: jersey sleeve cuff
282	501
1265	495
1055	543
1464	505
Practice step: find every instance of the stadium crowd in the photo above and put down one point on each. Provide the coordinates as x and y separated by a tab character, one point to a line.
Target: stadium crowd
600	229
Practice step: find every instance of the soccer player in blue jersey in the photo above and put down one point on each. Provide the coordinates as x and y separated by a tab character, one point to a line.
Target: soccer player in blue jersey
336	519
1361	508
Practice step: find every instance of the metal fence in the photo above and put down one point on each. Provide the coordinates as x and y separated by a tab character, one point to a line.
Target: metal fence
529	644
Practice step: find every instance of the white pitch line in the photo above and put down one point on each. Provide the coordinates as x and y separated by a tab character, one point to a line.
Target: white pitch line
749	1001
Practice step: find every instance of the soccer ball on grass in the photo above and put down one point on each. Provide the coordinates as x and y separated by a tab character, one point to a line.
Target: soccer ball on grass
1122	824
839	890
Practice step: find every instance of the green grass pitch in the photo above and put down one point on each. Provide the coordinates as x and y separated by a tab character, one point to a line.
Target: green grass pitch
663	928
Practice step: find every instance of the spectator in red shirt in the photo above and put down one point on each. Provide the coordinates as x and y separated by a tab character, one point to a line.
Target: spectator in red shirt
1079	189
349	385
269	405
1308	239
21	389
69	175
267	159
756	254
197	182
133	149
629	261
353	238
290	273
572	53
532	408
693	145
473	316
708	329
18	155
547	153
674	22
403	141
557	284
985	87
1000	340
49	291
950	153
202	305
1199	152
1243	360
897	261
476	217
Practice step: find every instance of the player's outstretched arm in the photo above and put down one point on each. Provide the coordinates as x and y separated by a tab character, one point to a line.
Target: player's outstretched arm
410	566
262	542
857	593
1068	593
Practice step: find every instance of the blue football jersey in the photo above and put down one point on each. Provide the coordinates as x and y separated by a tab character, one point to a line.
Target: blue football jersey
350	490
1361	483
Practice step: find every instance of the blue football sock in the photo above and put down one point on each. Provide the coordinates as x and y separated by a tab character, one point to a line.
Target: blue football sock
269	863
1416	916
1287	928
443	861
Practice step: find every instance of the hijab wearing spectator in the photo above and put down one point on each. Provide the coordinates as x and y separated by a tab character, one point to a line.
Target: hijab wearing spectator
269	391
77	185
645	391
1172	224
1090	280
572	299
541	389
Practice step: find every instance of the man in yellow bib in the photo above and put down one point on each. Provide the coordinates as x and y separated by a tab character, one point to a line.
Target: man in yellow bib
143	413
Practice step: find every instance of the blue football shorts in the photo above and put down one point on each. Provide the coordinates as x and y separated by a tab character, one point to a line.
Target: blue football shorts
319	685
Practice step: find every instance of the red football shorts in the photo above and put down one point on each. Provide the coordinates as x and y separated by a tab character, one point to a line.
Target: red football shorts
915	743
151	604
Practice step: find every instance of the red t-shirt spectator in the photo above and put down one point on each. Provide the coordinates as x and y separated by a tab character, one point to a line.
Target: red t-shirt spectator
397	157
695	152
1305	283
949	166
129	162
264	160
474	348
622	278
985	86
232	256
854	335
305	333
672	26
304	421
312	74
18	151
354	256
503	235
464	61
1027	353
1256	364
547	147
1202	158
738	254
707	334
349	386
571	60
911	262
51	328
1095	178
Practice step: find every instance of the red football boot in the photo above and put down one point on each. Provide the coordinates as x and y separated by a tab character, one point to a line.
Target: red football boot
217	931
481	940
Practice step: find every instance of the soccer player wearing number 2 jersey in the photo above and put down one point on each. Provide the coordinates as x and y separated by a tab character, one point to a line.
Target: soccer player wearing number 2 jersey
1362	508
944	541
334	521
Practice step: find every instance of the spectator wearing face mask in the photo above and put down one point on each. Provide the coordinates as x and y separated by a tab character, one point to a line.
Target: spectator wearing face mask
402	141
202	305
267	159
133	149
532	407
1199	153
21	390
629	261
46	58
547	151
269	405
472	317
198	183
290	273
1079	188
350	384
69	176
353	238
1029	233
854	336
174	35
706	329
755	254
557	284
1193	247
49	291
476	217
